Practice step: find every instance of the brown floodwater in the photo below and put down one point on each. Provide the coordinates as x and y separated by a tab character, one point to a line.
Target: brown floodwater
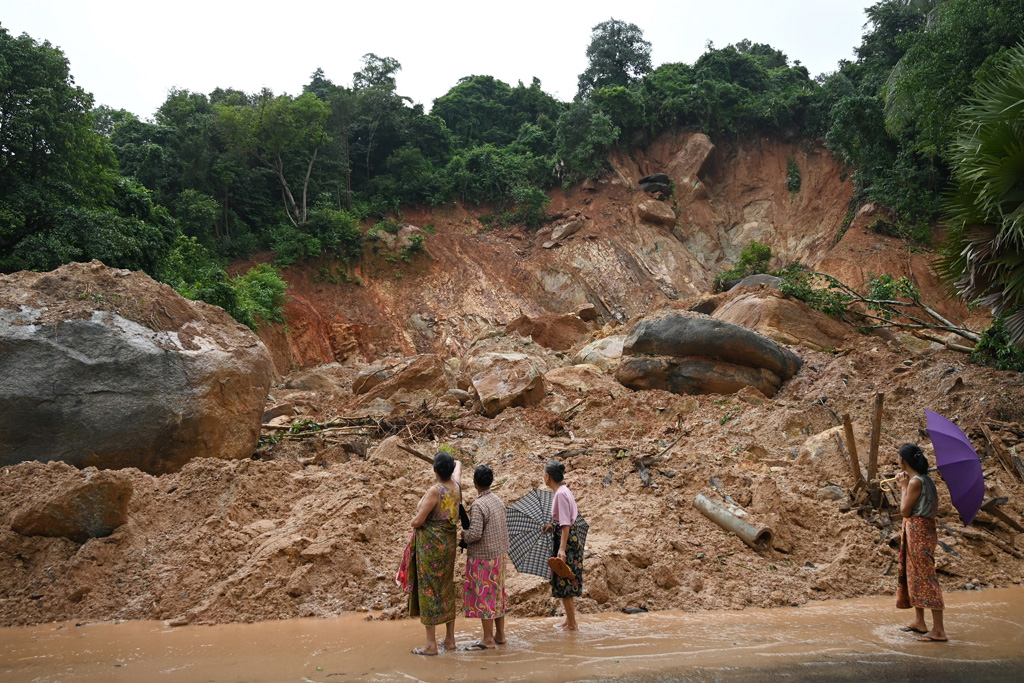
986	630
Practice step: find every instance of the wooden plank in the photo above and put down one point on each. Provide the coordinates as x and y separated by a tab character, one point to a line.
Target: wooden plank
851	446
1010	463
876	434
996	451
1006	519
991	506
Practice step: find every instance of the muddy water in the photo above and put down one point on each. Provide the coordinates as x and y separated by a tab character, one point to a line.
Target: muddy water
986	632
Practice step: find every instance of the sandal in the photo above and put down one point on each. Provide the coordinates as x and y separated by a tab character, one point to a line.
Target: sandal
559	567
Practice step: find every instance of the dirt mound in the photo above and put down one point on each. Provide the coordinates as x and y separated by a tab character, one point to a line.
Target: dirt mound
309	529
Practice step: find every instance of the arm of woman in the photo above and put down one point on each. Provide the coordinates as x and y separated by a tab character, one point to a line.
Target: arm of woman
427	503
476	526
565	539
457	473
910	495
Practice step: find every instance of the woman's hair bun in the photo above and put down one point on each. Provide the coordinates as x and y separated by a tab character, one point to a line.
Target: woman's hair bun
555	470
912	454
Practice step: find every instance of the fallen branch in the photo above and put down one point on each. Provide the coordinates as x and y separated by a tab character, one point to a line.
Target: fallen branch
897	307
945	342
671	446
413	451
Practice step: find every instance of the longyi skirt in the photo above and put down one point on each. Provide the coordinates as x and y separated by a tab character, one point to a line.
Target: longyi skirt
483	592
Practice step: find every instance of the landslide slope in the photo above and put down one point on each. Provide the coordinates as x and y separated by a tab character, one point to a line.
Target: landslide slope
316	526
620	260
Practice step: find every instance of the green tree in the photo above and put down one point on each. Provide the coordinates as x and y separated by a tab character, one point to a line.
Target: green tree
61	198
617	55
983	256
583	137
284	134
380	113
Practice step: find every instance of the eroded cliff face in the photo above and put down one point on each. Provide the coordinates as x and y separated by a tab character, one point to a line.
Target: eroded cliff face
609	244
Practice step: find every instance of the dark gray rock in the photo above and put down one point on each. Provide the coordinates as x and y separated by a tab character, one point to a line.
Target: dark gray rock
684	336
654	188
92	387
655	178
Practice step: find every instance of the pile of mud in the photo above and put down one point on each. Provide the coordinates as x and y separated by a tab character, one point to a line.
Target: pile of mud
309	527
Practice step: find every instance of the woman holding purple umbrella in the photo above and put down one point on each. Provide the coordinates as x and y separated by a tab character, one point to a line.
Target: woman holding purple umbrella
918	585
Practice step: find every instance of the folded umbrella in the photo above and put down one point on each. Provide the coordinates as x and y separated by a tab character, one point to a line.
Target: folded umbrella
529	547
959	464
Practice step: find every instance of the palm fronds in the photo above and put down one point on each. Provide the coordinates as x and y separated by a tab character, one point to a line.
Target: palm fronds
983	256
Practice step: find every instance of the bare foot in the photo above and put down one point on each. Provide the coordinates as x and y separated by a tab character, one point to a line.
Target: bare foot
916	627
449	645
933	636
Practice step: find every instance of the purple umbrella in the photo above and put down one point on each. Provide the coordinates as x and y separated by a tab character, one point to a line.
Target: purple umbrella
959	465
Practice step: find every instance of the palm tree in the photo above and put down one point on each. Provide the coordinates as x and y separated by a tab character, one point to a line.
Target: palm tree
983	255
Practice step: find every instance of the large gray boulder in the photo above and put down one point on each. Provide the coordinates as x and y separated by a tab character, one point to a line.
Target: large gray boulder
690	353
108	368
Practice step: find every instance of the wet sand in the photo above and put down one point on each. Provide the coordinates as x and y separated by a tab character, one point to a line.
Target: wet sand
840	640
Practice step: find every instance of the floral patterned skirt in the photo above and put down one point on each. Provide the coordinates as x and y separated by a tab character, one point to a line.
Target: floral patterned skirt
433	599
568	588
483	593
918	585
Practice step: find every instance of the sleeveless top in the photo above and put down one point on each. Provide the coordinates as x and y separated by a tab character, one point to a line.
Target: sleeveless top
927	502
447	508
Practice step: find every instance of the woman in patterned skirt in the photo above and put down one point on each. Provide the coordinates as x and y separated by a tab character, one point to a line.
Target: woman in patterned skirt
918	585
432	598
566	545
486	546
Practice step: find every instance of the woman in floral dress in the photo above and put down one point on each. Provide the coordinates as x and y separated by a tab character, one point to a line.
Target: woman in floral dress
918	585
433	597
566	545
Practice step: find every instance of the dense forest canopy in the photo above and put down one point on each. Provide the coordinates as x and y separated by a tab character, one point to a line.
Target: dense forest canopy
220	175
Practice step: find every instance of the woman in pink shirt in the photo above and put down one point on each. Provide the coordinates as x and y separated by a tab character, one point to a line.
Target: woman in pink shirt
566	544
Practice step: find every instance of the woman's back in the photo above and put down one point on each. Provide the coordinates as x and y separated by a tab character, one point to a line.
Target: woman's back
447	508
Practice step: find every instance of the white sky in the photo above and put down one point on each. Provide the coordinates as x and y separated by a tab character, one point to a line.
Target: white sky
129	53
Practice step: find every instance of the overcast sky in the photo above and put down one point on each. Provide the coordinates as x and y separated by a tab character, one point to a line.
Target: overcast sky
129	53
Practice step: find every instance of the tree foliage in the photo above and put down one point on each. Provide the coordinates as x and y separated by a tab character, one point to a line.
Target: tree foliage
220	175
617	56
984	250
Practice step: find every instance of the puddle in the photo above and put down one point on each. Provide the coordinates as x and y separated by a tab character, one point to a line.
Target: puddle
986	629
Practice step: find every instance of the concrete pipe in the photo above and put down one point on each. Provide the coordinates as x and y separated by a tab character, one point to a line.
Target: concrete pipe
757	538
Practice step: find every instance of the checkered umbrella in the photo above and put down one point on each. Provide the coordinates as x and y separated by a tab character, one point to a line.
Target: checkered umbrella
529	547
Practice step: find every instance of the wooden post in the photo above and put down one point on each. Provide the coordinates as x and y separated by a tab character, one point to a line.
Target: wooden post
876	433
851	445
